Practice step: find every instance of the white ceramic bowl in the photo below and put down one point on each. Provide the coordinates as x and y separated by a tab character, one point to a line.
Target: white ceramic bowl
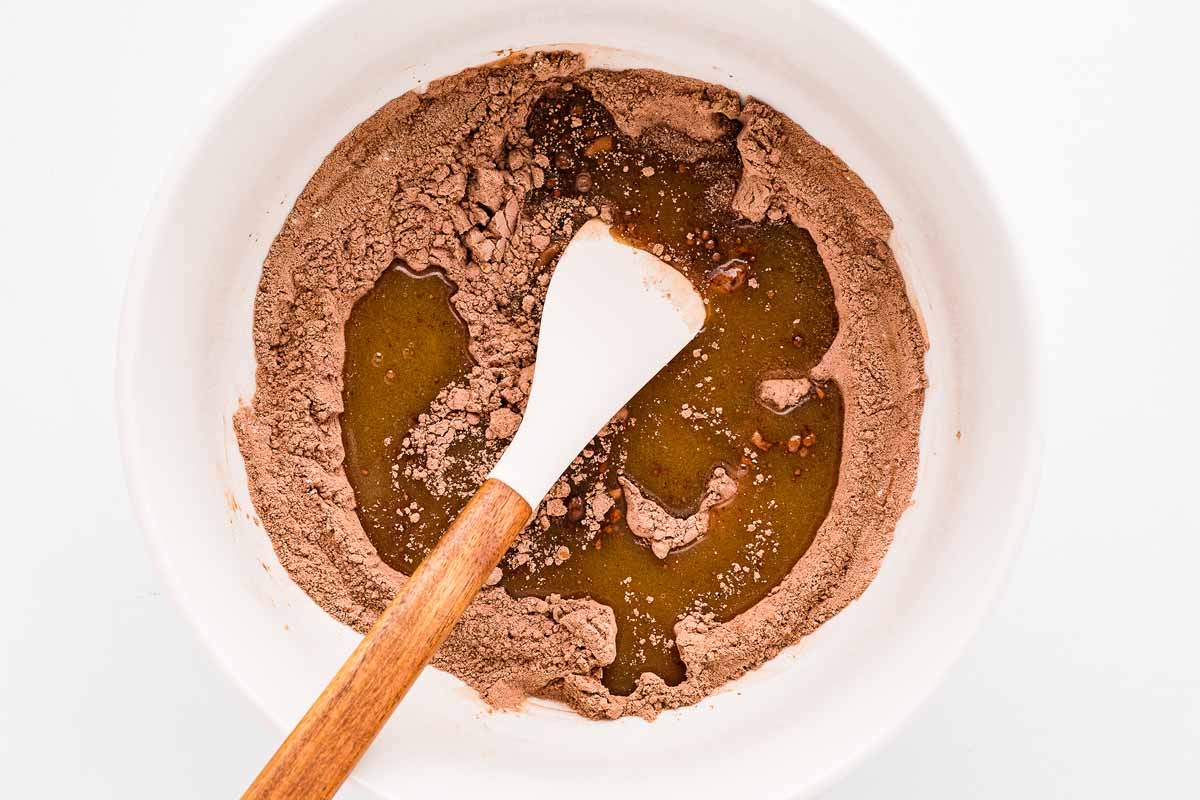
785	730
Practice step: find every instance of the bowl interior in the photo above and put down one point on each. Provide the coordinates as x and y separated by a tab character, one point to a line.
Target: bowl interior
787	729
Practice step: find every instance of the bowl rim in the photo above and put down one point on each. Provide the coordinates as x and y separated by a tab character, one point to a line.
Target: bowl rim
1029	305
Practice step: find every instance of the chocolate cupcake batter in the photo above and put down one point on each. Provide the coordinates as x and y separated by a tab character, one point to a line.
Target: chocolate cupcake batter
459	182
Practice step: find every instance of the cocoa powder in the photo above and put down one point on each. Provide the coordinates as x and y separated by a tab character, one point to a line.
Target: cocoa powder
438	180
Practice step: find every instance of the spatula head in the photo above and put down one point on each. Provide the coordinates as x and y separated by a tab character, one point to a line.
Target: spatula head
614	316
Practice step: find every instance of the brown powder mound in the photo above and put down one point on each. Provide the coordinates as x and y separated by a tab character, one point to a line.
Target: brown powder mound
649	520
438	179
781	394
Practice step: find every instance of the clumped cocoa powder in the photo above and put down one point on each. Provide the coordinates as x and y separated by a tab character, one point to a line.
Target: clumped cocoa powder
650	521
438	180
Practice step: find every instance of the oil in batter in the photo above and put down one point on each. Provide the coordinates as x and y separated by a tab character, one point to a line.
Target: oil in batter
771	314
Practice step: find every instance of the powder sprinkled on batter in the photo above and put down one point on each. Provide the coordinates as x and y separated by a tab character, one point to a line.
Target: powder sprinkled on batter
439	180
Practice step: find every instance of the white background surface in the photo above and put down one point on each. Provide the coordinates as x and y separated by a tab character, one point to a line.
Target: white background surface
1085	681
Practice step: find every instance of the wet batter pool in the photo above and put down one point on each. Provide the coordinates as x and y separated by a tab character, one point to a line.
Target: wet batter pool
771	315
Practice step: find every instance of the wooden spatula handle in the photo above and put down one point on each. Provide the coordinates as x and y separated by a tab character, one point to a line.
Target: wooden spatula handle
326	744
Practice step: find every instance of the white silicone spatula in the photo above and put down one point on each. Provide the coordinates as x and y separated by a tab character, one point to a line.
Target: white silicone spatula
614	316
